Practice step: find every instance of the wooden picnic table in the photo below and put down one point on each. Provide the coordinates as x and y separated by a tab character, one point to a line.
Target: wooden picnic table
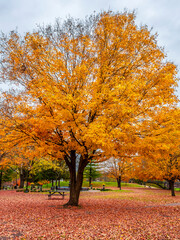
61	191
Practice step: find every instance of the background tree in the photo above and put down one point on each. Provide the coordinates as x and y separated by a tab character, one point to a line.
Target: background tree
7	173
91	172
161	159
49	169
85	88
1	168
119	169
171	170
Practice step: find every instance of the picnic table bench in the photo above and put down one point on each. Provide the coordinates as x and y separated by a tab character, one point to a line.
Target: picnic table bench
62	191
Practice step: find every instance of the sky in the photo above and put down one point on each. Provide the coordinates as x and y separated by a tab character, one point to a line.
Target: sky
161	15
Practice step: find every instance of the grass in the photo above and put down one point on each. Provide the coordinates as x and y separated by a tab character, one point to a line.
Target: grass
96	184
99	184
111	184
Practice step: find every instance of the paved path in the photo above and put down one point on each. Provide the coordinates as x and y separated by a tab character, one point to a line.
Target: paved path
172	204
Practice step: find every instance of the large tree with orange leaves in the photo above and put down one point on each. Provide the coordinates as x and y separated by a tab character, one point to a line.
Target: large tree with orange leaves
85	88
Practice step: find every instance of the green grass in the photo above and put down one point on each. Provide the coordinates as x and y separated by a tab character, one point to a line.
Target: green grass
96	184
100	184
111	184
107	185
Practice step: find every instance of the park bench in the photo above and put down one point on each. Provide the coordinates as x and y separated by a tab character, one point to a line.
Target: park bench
61	191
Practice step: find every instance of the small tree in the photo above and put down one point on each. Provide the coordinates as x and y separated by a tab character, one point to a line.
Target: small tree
91	172
118	169
46	169
6	175
2	154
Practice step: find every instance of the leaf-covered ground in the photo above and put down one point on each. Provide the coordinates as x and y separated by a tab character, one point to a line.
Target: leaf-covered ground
132	214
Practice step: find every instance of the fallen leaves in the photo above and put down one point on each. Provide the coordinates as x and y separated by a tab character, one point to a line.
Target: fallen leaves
138	214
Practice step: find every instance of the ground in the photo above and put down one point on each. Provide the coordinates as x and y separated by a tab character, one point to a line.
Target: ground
129	214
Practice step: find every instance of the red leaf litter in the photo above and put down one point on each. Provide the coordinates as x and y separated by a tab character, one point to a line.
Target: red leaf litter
136	214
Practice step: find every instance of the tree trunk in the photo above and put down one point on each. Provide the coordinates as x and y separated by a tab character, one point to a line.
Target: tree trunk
59	183
1	173
90	175
76	180
119	182
75	188
22	178
90	180
171	186
27	179
21	181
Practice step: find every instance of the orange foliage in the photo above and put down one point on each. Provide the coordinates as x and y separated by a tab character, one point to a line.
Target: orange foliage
89	93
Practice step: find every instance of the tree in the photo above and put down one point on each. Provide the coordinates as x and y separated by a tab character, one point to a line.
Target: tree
118	169
167	168
85	87
2	154
91	172
162	151
49	169
7	174
171	170
22	159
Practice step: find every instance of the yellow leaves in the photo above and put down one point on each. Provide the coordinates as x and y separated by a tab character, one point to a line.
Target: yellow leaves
107	90
161	147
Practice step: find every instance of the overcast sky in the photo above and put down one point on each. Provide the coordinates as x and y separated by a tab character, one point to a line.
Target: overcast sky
162	15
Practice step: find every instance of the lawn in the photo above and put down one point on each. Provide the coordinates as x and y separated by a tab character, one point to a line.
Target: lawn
135	213
97	184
